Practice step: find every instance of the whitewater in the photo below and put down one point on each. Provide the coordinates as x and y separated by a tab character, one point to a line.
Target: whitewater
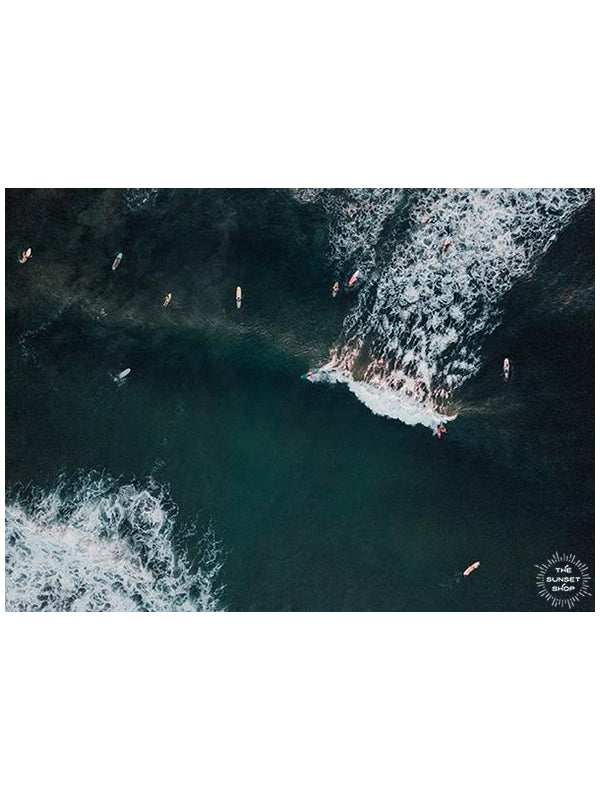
97	544
435	265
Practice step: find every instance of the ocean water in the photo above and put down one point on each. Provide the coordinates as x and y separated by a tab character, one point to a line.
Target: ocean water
212	477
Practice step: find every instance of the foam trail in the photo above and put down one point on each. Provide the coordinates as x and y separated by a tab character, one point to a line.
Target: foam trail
94	544
416	331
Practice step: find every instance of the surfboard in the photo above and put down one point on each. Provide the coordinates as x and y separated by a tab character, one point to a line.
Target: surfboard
25	256
117	261
335	289
506	368
354	277
123	374
238	297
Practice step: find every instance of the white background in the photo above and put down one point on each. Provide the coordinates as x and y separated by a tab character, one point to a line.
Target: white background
299	94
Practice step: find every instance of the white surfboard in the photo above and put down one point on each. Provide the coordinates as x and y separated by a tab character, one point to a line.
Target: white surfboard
238	297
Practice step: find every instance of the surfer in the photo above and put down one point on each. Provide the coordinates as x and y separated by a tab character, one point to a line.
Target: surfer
238	297
506	369
167	300
25	256
446	245
119	379
440	429
117	261
335	289
354	277
470	569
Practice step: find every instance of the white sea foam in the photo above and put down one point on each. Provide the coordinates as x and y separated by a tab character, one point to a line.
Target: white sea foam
433	292
356	217
136	199
96	544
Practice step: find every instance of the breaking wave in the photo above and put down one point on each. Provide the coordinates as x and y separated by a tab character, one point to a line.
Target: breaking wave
92	544
430	289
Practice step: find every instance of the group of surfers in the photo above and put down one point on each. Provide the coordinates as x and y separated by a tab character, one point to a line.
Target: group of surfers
26	255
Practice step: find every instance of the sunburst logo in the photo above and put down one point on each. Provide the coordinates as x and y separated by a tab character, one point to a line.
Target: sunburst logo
563	580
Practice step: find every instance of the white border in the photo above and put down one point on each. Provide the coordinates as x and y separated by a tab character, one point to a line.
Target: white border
303	94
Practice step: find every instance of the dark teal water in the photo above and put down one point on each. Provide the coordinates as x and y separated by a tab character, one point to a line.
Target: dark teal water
319	504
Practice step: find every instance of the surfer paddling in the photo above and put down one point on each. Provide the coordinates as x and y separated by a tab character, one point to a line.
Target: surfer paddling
25	256
167	300
354	277
506	369
472	568
335	289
